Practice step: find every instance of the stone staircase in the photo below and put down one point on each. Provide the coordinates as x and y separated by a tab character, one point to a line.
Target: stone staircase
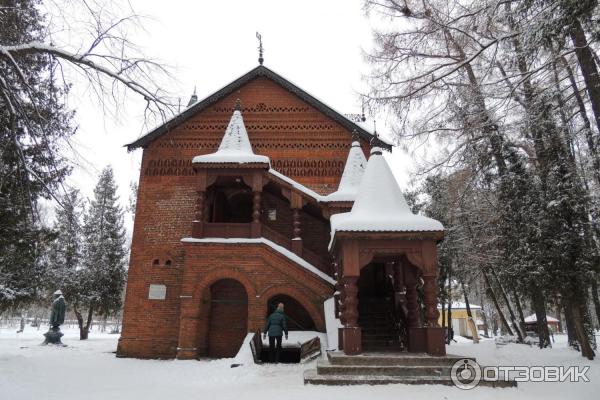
385	368
377	322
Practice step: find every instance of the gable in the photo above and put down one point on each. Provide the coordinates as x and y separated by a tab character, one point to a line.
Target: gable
260	71
301	141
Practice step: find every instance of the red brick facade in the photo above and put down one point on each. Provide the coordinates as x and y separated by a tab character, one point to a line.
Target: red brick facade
217	292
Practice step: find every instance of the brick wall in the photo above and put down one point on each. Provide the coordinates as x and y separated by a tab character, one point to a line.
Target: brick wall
301	142
263	273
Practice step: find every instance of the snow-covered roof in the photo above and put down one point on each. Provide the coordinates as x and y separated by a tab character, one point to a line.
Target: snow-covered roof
280	249
458	305
380	205
351	177
297	185
235	146
533	318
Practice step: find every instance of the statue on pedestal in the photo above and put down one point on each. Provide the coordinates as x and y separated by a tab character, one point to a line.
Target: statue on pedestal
57	318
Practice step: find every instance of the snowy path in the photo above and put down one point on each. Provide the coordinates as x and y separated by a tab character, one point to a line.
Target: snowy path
90	370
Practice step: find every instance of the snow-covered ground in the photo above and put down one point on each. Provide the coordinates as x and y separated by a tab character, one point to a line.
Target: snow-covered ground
89	370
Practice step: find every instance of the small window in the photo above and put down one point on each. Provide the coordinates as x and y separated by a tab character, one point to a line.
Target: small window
272	214
157	292
156	262
168	263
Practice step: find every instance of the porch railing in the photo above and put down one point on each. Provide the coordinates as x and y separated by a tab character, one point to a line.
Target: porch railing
227	230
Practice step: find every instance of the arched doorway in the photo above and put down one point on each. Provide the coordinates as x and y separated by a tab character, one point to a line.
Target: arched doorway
228	318
298	319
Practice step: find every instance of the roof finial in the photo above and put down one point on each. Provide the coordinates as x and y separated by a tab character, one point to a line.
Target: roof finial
363	118
193	98
238	105
260	49
375	149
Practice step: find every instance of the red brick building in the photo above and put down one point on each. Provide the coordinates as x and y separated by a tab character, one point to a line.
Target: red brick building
233	215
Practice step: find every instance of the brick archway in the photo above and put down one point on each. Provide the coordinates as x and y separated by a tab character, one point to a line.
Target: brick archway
207	280
195	312
298	319
312	310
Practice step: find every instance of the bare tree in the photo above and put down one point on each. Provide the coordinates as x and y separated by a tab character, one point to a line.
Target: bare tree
46	47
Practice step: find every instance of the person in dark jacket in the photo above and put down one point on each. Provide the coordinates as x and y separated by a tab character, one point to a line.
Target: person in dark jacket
275	327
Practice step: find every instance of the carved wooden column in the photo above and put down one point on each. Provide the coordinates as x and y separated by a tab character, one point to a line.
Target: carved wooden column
351	301
256	182
338	297
297	231
352	337
431	312
412	302
255	228
198	222
296	203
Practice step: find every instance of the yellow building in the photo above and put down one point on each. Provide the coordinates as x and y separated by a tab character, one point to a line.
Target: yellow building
459	317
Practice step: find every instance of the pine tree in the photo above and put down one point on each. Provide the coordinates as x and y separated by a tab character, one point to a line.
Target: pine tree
65	251
30	164
103	270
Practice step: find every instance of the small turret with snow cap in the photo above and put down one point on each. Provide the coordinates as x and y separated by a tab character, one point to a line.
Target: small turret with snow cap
235	147
352	175
380	205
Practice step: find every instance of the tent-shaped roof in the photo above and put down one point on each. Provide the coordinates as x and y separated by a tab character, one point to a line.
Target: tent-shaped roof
533	319
459	305
235	146
380	205
260	71
351	177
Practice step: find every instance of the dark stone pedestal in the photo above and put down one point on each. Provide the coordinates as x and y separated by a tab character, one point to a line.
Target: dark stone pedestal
428	340
352	341
416	340
53	336
434	337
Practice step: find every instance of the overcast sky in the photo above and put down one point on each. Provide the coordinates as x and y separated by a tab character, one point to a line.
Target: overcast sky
316	44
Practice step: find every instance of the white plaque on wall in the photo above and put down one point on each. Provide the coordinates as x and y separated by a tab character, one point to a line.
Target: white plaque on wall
157	292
